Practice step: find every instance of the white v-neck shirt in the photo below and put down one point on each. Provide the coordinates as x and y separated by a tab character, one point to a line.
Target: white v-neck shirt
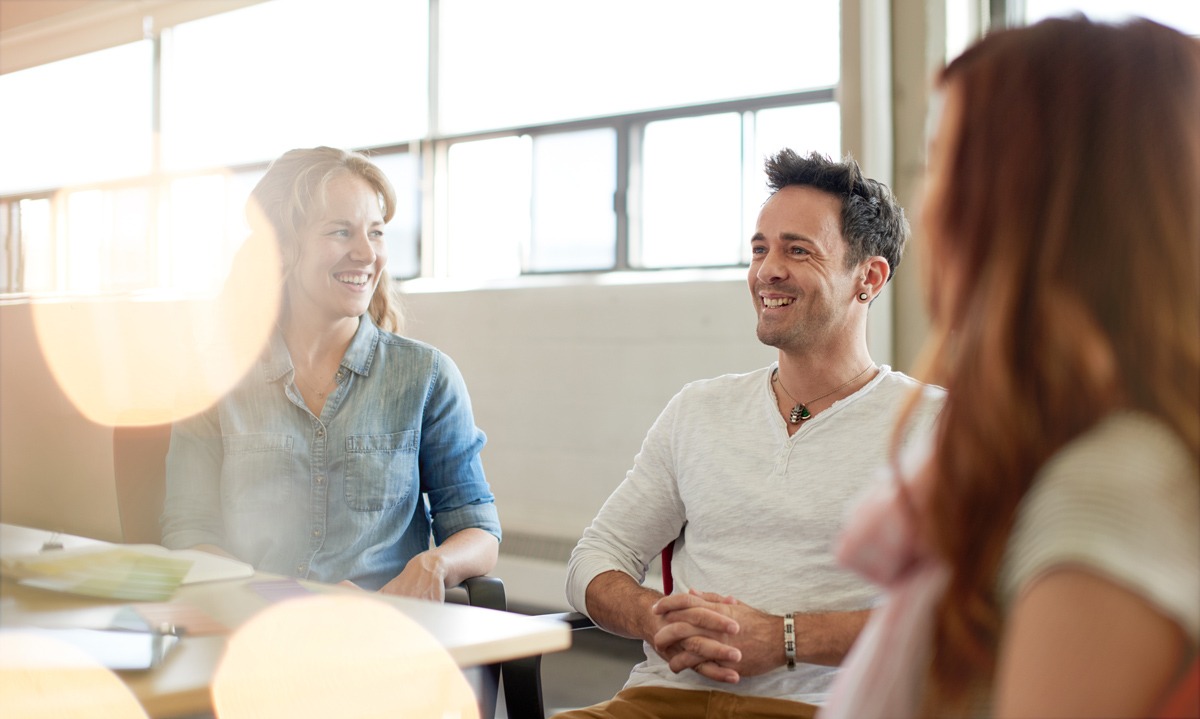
758	510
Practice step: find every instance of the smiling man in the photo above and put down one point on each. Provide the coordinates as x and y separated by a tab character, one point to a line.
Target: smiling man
750	474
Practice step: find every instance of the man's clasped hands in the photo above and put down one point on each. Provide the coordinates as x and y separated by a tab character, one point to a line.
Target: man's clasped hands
716	636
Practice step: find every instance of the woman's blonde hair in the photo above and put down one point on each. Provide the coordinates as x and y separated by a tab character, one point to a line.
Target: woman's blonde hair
292	192
1069	238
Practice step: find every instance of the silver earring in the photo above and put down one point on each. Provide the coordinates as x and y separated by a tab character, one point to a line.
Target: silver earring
863	297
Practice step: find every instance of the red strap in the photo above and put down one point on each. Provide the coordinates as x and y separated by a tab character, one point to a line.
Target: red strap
1184	700
668	581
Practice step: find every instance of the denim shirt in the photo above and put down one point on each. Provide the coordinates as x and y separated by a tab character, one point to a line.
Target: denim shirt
351	494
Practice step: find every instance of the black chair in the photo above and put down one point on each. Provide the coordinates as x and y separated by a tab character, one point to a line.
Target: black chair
487	592
523	677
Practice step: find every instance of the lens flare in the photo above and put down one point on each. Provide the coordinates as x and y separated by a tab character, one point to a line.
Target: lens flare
138	361
46	678
338	655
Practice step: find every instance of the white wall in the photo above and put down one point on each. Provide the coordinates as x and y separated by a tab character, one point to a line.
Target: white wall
566	380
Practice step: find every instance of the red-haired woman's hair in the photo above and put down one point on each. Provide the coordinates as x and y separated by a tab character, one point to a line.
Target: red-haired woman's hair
1064	284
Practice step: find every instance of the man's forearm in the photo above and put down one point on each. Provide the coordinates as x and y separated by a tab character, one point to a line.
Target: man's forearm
620	605
826	638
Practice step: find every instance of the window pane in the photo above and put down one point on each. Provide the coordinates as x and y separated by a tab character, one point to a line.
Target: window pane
691	192
107	241
91	112
8	247
574	180
251	84
803	128
488	207
37	247
199	240
88	234
403	233
1183	16
238	187
505	64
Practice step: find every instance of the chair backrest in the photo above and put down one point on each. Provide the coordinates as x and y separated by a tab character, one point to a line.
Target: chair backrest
140	470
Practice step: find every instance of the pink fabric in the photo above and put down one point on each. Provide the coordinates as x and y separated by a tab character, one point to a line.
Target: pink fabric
881	676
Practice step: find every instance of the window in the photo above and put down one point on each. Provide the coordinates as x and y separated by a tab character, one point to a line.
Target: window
109	247
573	188
487	207
691	168
38	251
93	110
403	232
522	62
531	136
248	85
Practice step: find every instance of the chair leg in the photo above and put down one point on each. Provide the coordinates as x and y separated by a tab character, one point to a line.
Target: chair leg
523	688
487	592
490	676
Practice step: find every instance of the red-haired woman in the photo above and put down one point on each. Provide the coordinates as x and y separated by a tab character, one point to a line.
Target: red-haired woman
1043	557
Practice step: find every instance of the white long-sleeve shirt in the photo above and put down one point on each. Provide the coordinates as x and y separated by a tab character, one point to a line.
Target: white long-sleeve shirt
756	510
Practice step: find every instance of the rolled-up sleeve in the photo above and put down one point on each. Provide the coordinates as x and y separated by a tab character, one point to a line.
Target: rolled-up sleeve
451	469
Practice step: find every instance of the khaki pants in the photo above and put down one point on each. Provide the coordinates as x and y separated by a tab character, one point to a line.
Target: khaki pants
671	703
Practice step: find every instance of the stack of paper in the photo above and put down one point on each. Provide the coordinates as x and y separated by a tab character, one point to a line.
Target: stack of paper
111	572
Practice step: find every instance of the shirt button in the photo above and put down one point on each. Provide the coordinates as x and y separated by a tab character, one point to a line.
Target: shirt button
321	432
320	480
316	532
300	568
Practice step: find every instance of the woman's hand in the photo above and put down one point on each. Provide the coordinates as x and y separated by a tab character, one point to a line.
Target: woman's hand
468	553
424	577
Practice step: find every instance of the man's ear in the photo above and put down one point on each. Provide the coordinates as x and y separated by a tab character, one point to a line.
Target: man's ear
874	273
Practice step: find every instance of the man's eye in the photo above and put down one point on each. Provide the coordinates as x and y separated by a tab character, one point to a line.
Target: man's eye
799	251
758	250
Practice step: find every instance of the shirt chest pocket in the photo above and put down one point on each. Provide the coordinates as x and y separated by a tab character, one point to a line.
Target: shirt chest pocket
258	471
381	469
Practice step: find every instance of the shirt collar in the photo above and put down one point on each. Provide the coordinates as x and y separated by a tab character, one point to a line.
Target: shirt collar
276	362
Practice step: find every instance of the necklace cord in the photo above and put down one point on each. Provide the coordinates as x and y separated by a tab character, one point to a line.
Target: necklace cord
322	391
800	411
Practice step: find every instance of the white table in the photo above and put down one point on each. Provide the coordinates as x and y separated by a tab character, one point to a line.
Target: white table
180	686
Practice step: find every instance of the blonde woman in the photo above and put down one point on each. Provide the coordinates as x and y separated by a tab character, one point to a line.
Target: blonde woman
347	444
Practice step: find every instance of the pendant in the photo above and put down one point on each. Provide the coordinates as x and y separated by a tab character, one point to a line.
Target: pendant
798	414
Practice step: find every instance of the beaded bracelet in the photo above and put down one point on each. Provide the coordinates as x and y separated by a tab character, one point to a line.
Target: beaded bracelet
789	640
